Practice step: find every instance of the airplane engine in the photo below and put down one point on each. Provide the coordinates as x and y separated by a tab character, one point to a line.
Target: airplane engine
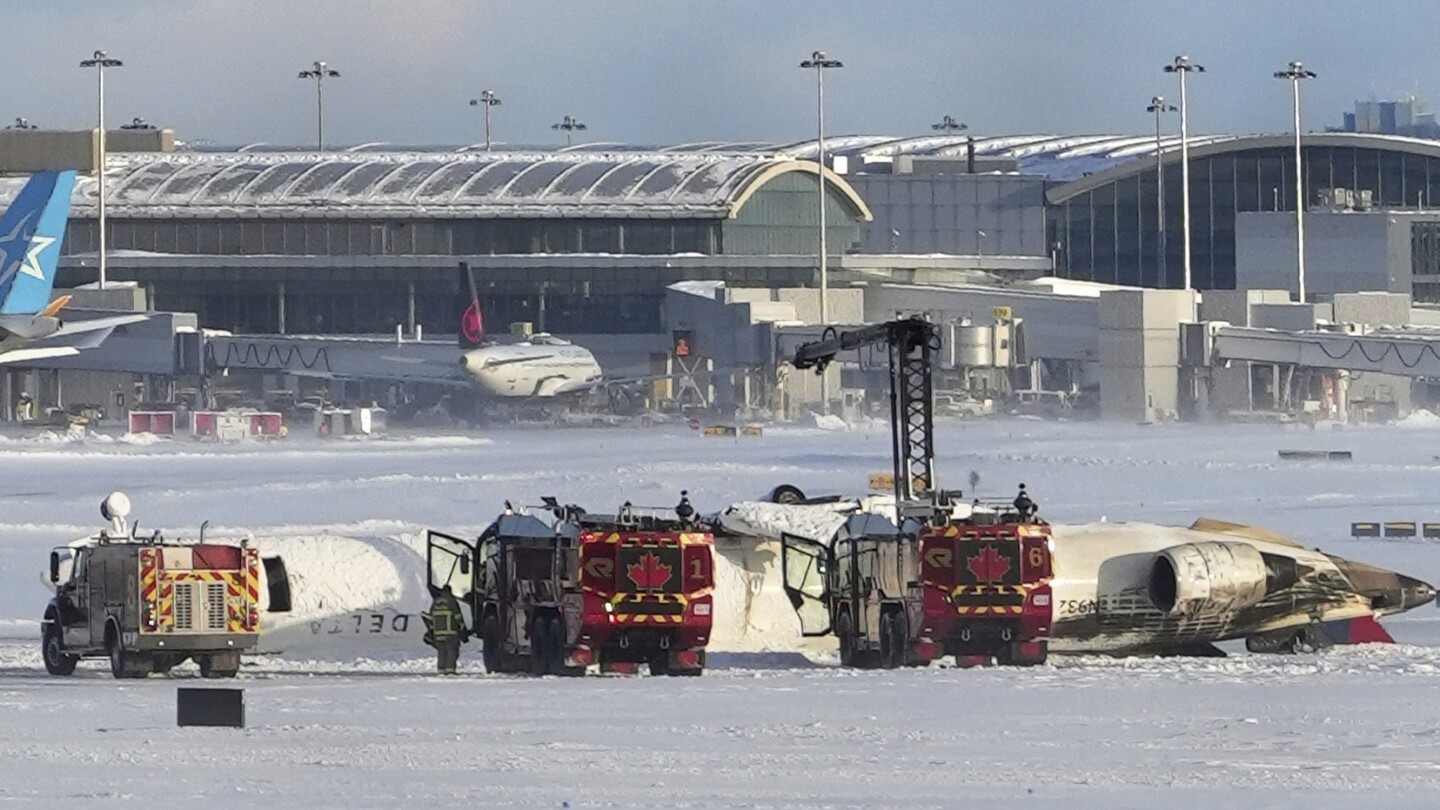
1200	578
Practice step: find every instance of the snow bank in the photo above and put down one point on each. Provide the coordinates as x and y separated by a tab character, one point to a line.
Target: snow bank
829	421
142	439
1420	420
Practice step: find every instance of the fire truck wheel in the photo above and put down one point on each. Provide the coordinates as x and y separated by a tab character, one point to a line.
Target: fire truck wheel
210	667
1023	654
887	641
124	663
56	661
899	638
539	646
845	633
555	645
558	653
689	673
490	641
786	494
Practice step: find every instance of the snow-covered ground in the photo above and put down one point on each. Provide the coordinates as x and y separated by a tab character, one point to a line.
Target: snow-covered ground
1354	726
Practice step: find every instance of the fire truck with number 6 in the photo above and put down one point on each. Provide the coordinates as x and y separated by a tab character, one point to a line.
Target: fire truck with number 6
148	605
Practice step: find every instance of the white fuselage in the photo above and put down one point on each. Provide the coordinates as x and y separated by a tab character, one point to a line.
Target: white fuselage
540	367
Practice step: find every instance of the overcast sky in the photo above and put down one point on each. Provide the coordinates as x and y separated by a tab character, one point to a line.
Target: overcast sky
669	71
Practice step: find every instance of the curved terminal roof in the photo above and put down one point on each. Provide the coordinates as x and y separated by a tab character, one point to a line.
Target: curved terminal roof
1060	158
1077	163
603	180
362	183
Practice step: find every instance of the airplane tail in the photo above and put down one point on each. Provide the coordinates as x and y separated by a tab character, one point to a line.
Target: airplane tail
472	325
30	233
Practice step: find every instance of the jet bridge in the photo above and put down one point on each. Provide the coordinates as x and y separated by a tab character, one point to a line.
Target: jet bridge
1404	353
327	357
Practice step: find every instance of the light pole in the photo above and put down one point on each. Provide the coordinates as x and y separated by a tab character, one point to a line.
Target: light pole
100	60
949	125
1295	71
569	124
319	71
1181	66
487	99
1159	107
819	63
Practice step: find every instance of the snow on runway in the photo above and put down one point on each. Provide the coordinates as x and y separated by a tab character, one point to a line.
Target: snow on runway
1348	727
1358	726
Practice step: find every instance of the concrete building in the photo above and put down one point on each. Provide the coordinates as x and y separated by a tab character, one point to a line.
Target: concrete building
1394	251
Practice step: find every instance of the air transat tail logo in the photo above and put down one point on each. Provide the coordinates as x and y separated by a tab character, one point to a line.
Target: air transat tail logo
989	565
21	249
648	573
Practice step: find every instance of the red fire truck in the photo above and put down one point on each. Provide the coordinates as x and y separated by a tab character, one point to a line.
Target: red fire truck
930	578
555	590
986	591
976	589
148	605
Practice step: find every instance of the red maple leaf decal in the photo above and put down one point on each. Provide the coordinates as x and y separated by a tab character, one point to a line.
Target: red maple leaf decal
989	565
470	323
648	574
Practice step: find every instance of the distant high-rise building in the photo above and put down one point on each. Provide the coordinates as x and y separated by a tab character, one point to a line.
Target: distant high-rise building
1402	117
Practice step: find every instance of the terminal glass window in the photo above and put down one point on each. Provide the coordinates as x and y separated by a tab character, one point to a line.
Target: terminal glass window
1425	260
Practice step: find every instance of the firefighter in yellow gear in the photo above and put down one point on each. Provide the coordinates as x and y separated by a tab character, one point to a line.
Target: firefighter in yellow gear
447	630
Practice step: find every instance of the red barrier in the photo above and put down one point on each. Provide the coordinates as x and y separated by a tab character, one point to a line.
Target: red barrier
160	423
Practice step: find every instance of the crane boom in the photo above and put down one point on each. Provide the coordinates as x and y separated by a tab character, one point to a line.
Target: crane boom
912	343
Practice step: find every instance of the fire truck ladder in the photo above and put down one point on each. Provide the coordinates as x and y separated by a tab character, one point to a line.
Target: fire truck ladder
913	343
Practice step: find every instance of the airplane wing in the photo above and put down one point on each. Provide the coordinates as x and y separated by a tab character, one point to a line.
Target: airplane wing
579	386
31	355
1241	530
514	360
78	327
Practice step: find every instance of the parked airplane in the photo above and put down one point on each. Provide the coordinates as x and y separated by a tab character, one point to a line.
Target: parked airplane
30	233
542	366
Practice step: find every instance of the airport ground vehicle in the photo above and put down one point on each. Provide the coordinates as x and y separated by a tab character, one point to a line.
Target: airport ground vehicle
976	589
942	577
554	590
148	605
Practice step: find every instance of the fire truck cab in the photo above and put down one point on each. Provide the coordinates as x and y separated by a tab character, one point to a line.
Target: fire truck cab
148	605
975	587
556	590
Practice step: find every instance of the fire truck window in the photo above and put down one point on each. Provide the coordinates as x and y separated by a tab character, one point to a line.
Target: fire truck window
278	581
533	564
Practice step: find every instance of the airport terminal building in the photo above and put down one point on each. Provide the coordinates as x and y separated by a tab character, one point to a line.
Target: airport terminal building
584	239
363	241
